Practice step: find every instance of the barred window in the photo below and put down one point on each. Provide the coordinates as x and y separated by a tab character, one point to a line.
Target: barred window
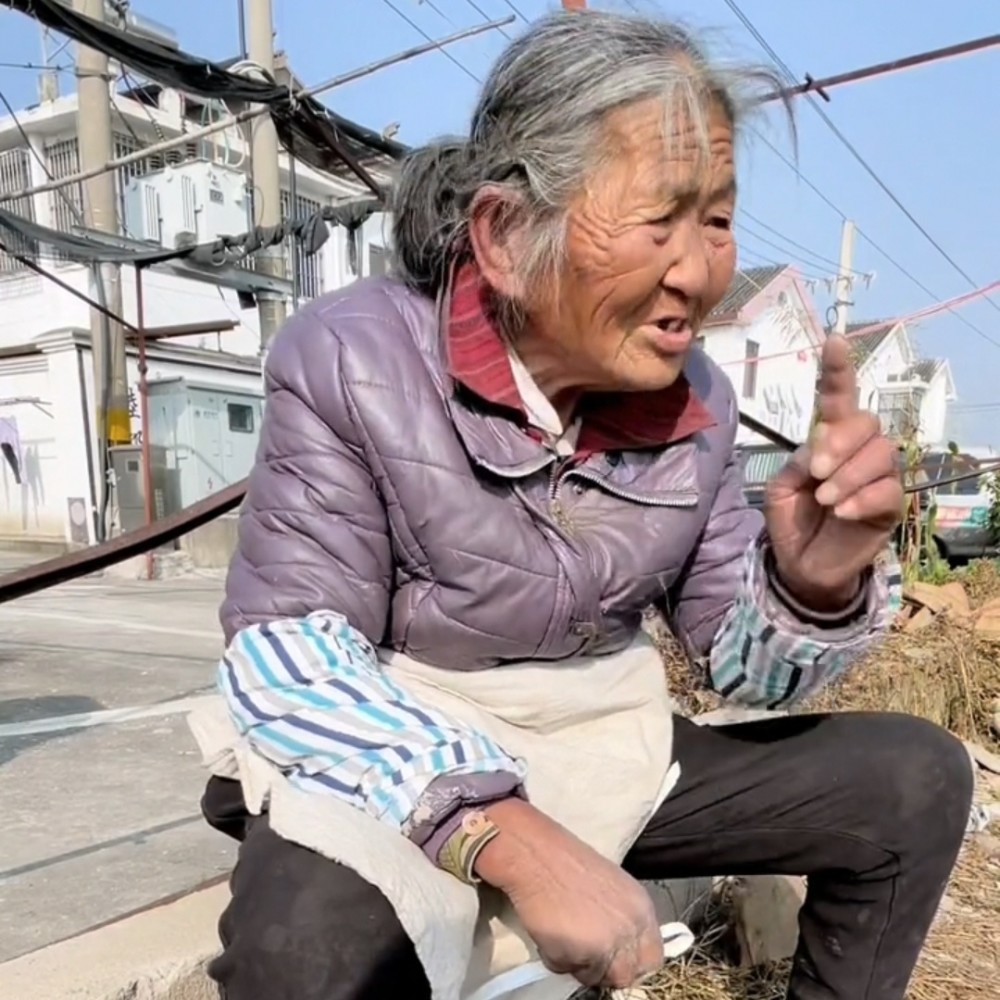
66	204
15	175
309	269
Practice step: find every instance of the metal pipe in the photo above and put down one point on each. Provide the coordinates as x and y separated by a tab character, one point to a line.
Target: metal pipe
241	19
880	69
88	445
73	565
255	111
293	209
147	471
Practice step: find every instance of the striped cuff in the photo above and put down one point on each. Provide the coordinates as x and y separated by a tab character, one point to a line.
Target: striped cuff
766	656
310	696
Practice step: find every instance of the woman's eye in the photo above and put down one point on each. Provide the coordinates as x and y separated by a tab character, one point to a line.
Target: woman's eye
721	222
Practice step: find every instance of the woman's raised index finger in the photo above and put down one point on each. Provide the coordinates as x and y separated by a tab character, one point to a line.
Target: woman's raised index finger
837	381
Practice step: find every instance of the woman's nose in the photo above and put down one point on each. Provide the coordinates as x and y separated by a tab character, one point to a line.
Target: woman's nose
687	272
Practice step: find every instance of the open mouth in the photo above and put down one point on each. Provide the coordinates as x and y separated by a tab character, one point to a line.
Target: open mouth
672	325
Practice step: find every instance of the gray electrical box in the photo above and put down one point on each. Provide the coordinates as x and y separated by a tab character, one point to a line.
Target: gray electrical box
126	462
207	436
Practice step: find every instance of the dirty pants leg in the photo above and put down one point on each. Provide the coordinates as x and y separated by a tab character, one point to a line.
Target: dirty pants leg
872	807
302	927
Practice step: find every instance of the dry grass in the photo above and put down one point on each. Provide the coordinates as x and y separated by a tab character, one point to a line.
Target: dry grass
945	674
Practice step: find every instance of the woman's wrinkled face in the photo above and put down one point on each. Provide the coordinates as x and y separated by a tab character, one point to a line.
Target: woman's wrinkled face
650	252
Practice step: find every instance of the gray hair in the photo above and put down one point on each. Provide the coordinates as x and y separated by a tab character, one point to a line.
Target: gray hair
537	130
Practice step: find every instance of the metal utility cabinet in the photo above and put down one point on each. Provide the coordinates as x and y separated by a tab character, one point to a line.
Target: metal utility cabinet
209	434
202	438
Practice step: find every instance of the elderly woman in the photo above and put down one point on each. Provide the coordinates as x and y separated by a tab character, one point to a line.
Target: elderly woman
483	471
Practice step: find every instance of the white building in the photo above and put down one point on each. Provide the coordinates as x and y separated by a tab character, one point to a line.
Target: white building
46	382
766	336
909	393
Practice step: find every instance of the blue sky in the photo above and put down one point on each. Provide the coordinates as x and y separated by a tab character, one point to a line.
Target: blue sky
932	133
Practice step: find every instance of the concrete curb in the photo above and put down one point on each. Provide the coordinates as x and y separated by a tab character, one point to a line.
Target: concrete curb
156	954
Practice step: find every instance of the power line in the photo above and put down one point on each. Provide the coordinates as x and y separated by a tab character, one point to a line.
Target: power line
798	246
762	260
256	111
66	287
851	148
437	10
482	13
826	83
912	317
775	246
36	66
416	27
916	281
871	241
519	13
798	173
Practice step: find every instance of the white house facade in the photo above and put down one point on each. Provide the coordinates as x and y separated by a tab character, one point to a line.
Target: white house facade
910	394
765	335
46	379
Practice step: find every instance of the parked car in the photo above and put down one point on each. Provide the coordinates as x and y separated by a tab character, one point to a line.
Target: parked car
961	522
962	517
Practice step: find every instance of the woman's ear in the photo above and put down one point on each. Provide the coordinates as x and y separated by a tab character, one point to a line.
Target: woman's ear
496	225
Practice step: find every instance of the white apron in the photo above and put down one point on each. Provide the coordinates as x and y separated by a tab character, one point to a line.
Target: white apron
596	733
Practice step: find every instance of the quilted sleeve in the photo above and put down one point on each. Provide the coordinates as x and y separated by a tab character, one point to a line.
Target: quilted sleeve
313	531
306	603
757	645
769	653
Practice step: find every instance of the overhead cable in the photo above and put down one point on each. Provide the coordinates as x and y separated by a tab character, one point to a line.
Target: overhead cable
318	136
312	231
416	27
851	148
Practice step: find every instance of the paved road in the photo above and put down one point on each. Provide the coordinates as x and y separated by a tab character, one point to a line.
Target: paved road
99	809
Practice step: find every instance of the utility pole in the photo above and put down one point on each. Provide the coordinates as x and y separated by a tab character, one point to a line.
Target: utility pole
845	279
266	172
100	211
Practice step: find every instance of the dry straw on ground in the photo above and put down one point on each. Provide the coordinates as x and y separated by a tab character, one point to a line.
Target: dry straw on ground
943	672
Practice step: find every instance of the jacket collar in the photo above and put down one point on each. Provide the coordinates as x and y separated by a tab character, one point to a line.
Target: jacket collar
477	360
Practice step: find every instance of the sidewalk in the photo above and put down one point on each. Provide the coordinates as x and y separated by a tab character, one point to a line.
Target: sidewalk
99	778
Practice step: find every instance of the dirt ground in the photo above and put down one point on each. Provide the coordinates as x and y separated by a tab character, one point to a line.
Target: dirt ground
944	672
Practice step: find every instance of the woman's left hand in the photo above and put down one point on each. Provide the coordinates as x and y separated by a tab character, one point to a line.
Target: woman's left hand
832	509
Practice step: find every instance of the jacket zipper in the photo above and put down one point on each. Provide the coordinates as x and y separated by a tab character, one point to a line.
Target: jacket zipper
681	498
556	508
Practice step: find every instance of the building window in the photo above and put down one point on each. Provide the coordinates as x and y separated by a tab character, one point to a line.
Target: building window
899	412
750	366
66	204
307	265
378	260
240	418
15	175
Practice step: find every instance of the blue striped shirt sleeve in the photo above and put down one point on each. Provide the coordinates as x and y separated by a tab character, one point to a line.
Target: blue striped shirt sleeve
763	657
308	694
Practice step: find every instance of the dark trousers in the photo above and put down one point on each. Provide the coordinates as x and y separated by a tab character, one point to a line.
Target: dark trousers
872	807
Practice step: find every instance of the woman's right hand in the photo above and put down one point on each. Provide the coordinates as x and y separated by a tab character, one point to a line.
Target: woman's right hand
587	916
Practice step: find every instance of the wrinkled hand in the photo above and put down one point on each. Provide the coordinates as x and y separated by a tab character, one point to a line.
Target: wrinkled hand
587	916
833	507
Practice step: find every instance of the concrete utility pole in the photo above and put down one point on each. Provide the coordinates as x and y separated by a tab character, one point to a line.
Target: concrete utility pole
845	279
100	212
266	172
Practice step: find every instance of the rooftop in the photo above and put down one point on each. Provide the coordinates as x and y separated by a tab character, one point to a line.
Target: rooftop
746	285
865	345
